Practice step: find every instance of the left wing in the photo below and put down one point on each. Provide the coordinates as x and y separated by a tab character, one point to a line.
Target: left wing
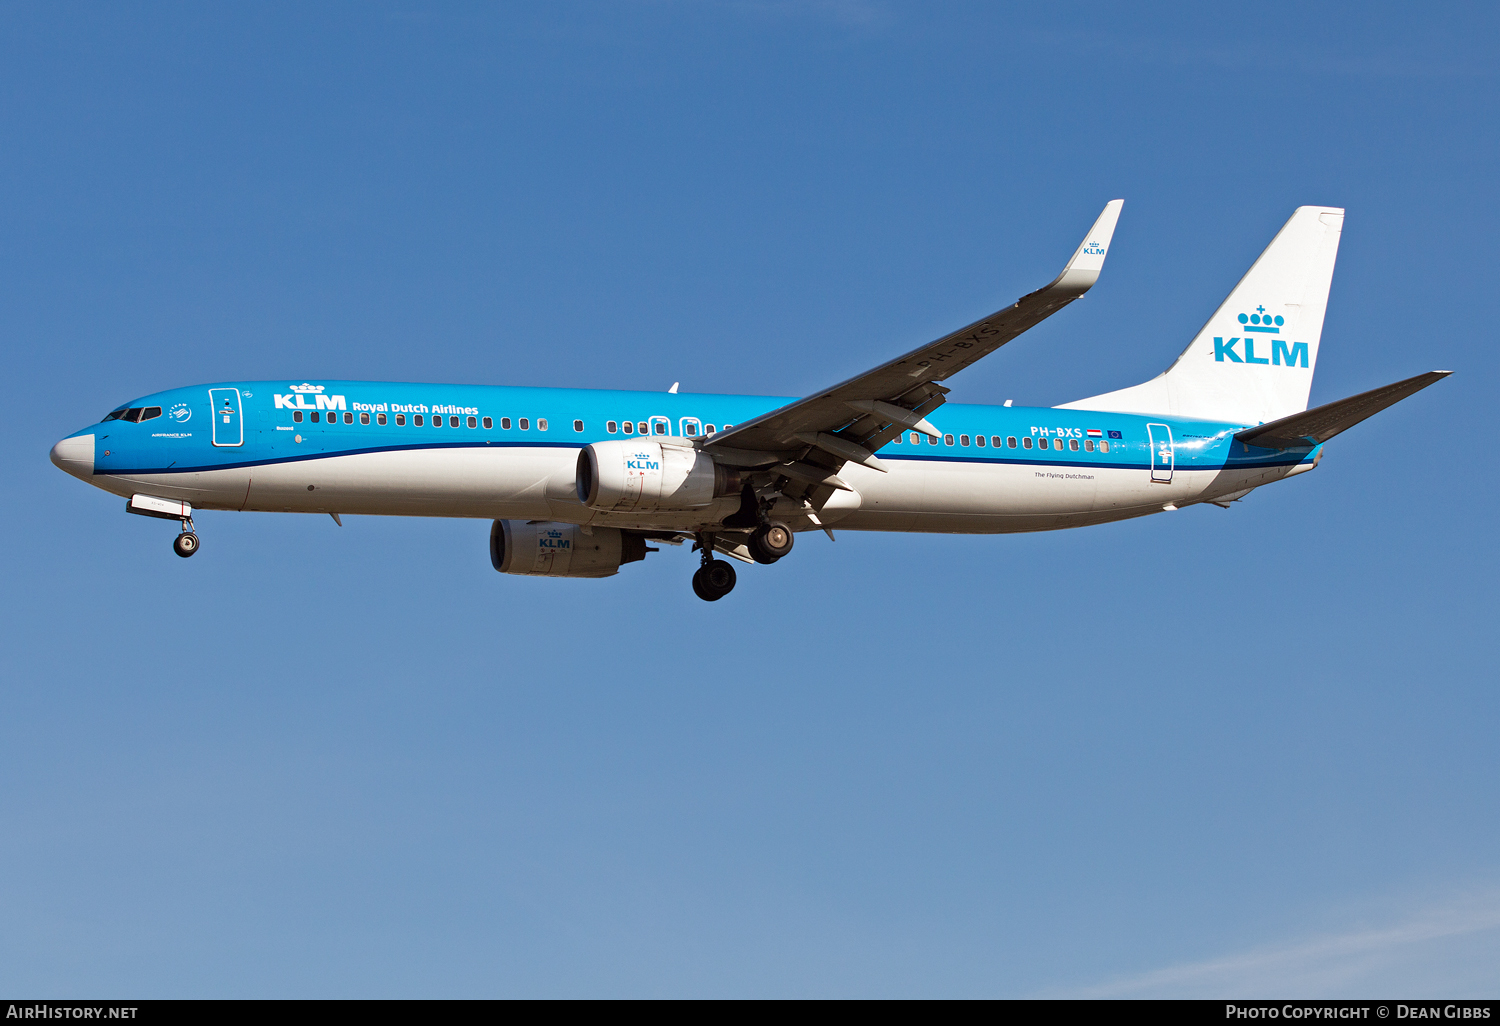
850	421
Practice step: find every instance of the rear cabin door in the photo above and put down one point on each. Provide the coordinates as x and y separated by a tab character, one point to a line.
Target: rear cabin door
1163	453
229	426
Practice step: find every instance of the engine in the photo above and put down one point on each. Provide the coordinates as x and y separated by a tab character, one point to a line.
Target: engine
649	475
562	550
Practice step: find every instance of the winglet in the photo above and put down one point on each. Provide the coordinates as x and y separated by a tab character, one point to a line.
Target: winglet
1083	270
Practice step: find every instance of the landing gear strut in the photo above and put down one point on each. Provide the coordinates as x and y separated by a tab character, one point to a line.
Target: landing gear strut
714	578
186	543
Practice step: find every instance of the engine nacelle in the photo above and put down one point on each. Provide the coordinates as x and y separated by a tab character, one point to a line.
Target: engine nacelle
562	550
651	475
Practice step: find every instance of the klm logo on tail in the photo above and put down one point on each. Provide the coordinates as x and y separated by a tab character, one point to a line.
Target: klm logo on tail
1283	353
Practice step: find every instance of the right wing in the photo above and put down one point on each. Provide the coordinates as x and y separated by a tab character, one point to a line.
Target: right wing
851	420
1318	425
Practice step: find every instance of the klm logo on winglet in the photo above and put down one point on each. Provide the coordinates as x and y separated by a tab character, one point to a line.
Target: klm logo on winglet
1283	354
1093	249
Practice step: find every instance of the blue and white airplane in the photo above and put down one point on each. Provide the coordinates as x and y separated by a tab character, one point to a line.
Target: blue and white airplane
580	482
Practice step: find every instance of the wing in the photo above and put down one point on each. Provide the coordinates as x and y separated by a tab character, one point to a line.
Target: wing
1318	425
850	421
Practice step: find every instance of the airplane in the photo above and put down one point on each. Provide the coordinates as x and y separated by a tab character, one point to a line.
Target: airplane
579	482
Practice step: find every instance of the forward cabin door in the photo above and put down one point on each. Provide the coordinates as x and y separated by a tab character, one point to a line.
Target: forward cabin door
1163	454
229	428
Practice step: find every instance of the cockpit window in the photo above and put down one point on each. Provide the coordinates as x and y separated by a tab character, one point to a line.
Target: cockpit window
113	415
151	413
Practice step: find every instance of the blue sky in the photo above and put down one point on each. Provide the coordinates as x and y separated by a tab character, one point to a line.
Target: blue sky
1247	752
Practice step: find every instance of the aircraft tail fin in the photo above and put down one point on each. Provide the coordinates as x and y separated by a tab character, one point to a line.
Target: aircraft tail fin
1253	361
1314	427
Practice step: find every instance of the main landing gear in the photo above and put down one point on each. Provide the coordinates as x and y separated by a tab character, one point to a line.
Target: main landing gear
186	543
770	541
714	578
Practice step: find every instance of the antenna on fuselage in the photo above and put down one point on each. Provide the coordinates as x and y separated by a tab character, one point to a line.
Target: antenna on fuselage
673	389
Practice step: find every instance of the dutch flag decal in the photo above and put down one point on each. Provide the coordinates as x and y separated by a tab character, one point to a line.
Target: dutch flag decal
1095	433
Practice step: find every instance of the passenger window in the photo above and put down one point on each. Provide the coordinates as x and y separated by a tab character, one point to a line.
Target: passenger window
629	427
525	424
932	440
578	425
437	421
314	416
417	419
1010	441
380	419
1073	444
963	439
1088	446
364	418
297	416
661	427
611	426
348	418
979	440
947	439
726	427
690	427
896	440
915	438
473	422
541	423
489	423
1026	442
709	428
504	423
401	420
641	427
1104	447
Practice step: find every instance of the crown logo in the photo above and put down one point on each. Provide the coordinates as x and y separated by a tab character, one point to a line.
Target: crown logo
1262	321
305	387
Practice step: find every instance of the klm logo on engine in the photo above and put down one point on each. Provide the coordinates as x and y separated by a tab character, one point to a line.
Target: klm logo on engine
1283	353
642	461
298	399
552	539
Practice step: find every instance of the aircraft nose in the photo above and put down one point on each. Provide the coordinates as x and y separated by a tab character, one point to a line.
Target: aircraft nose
76	456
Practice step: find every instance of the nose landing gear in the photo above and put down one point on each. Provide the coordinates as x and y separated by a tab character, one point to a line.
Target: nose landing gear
715	578
186	543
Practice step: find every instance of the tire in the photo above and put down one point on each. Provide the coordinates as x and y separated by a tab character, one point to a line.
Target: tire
185	544
771	542
714	580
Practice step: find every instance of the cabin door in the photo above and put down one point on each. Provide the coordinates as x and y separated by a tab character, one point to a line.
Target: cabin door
229	428
1163	454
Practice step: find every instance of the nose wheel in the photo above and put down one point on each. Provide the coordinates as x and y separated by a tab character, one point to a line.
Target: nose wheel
714	578
186	543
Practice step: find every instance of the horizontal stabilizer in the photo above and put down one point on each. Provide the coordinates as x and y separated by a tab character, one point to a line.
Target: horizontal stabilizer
1315	426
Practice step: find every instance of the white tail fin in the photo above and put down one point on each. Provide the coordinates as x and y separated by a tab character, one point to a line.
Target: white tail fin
1253	361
